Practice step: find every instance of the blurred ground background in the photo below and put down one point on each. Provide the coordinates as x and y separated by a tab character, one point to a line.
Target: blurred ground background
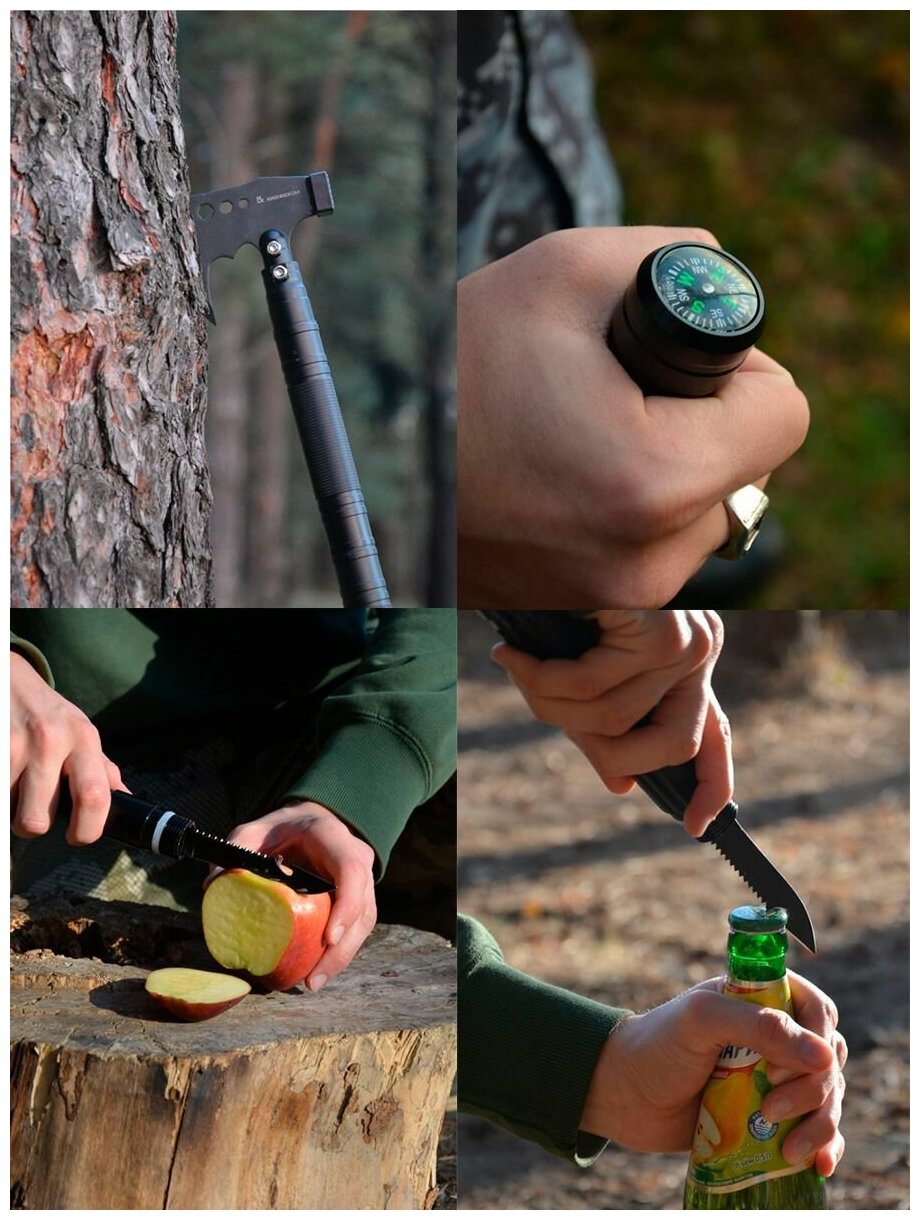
608	896
786	134
369	97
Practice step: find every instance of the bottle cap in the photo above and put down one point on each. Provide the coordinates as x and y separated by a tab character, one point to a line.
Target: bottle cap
759	920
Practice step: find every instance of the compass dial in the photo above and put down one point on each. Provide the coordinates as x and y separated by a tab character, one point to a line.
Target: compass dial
687	321
706	288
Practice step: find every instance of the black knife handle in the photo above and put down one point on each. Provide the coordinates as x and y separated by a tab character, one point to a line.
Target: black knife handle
137	823
561	634
546	634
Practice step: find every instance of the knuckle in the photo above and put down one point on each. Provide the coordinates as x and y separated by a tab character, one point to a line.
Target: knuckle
680	745
841	1049
725	727
44	733
772	1026
85	733
646	511
717	630
830	1009
92	794
700	1006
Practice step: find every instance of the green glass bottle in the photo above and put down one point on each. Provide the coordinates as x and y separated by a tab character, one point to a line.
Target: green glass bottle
736	1163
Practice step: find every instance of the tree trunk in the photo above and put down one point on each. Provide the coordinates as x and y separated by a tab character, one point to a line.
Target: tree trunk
109	476
286	1101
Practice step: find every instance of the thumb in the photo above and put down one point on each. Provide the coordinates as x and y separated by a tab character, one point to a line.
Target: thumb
261	835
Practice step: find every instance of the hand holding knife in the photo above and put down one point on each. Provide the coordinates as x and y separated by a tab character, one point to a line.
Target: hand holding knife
559	634
137	823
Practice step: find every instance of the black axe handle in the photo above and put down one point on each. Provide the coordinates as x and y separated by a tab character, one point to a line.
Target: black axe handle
560	634
321	427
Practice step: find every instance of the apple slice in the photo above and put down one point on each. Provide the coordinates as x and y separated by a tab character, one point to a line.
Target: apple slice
195	995
263	928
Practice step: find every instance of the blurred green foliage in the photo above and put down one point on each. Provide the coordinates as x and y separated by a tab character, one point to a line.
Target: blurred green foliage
786	134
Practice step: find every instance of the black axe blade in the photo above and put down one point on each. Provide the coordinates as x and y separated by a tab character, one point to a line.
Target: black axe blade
239	215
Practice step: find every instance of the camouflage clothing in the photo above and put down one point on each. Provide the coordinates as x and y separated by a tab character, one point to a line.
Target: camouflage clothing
530	157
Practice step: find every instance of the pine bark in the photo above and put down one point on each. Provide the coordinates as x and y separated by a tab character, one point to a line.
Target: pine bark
291	1100
110	491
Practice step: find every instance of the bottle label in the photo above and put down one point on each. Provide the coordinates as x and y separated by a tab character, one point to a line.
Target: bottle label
735	1145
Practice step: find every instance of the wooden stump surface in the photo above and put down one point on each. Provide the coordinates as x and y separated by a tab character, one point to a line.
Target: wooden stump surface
288	1100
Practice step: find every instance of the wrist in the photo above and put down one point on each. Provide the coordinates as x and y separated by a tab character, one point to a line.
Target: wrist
605	1113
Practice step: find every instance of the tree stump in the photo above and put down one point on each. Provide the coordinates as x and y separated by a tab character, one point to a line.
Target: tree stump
289	1100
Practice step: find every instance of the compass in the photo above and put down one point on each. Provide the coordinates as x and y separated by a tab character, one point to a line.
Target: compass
687	320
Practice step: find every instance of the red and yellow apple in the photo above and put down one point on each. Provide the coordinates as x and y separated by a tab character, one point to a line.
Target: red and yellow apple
263	929
195	995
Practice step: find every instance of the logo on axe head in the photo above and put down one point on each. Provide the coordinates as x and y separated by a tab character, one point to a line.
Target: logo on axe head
225	219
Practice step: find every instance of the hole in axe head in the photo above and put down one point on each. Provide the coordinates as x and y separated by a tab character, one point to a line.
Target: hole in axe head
226	207
242	203
205	211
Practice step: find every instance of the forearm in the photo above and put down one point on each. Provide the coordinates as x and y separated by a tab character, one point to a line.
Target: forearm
527	1049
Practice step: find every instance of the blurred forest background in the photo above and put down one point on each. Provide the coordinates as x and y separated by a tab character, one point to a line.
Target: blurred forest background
370	97
786	134
607	896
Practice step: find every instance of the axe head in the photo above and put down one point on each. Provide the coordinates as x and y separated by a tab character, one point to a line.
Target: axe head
228	219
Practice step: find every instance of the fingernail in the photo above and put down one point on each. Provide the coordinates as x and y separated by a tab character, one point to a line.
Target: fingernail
316	981
336	934
777	1109
799	1150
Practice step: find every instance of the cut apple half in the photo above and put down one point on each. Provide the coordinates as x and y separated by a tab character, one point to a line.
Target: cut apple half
195	995
263	928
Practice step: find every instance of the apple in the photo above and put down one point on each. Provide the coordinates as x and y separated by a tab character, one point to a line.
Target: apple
263	929
195	995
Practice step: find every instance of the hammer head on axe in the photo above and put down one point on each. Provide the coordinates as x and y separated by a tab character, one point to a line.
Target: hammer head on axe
237	216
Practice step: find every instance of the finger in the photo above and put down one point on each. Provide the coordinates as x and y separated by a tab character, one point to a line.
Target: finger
802	1095
644	749
714	771
338	956
615	712
38	794
612	255
774	1034
592	675
656	565
730	436
817	1131
88	777
813	1009
828	1158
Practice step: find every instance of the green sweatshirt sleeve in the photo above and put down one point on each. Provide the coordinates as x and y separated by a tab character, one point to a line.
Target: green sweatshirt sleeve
527	1049
387	736
33	655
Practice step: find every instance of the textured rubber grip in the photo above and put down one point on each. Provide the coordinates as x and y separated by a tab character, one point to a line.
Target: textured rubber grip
561	634
322	434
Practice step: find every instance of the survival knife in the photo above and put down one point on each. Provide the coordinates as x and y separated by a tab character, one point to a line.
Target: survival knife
137	823
560	634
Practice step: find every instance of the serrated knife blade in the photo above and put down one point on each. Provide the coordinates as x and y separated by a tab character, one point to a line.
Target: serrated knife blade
138	823
560	634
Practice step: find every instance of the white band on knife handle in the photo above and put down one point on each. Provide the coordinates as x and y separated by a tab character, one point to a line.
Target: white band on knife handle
158	830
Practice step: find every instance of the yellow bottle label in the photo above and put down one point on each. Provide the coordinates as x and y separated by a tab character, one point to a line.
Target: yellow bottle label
735	1145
